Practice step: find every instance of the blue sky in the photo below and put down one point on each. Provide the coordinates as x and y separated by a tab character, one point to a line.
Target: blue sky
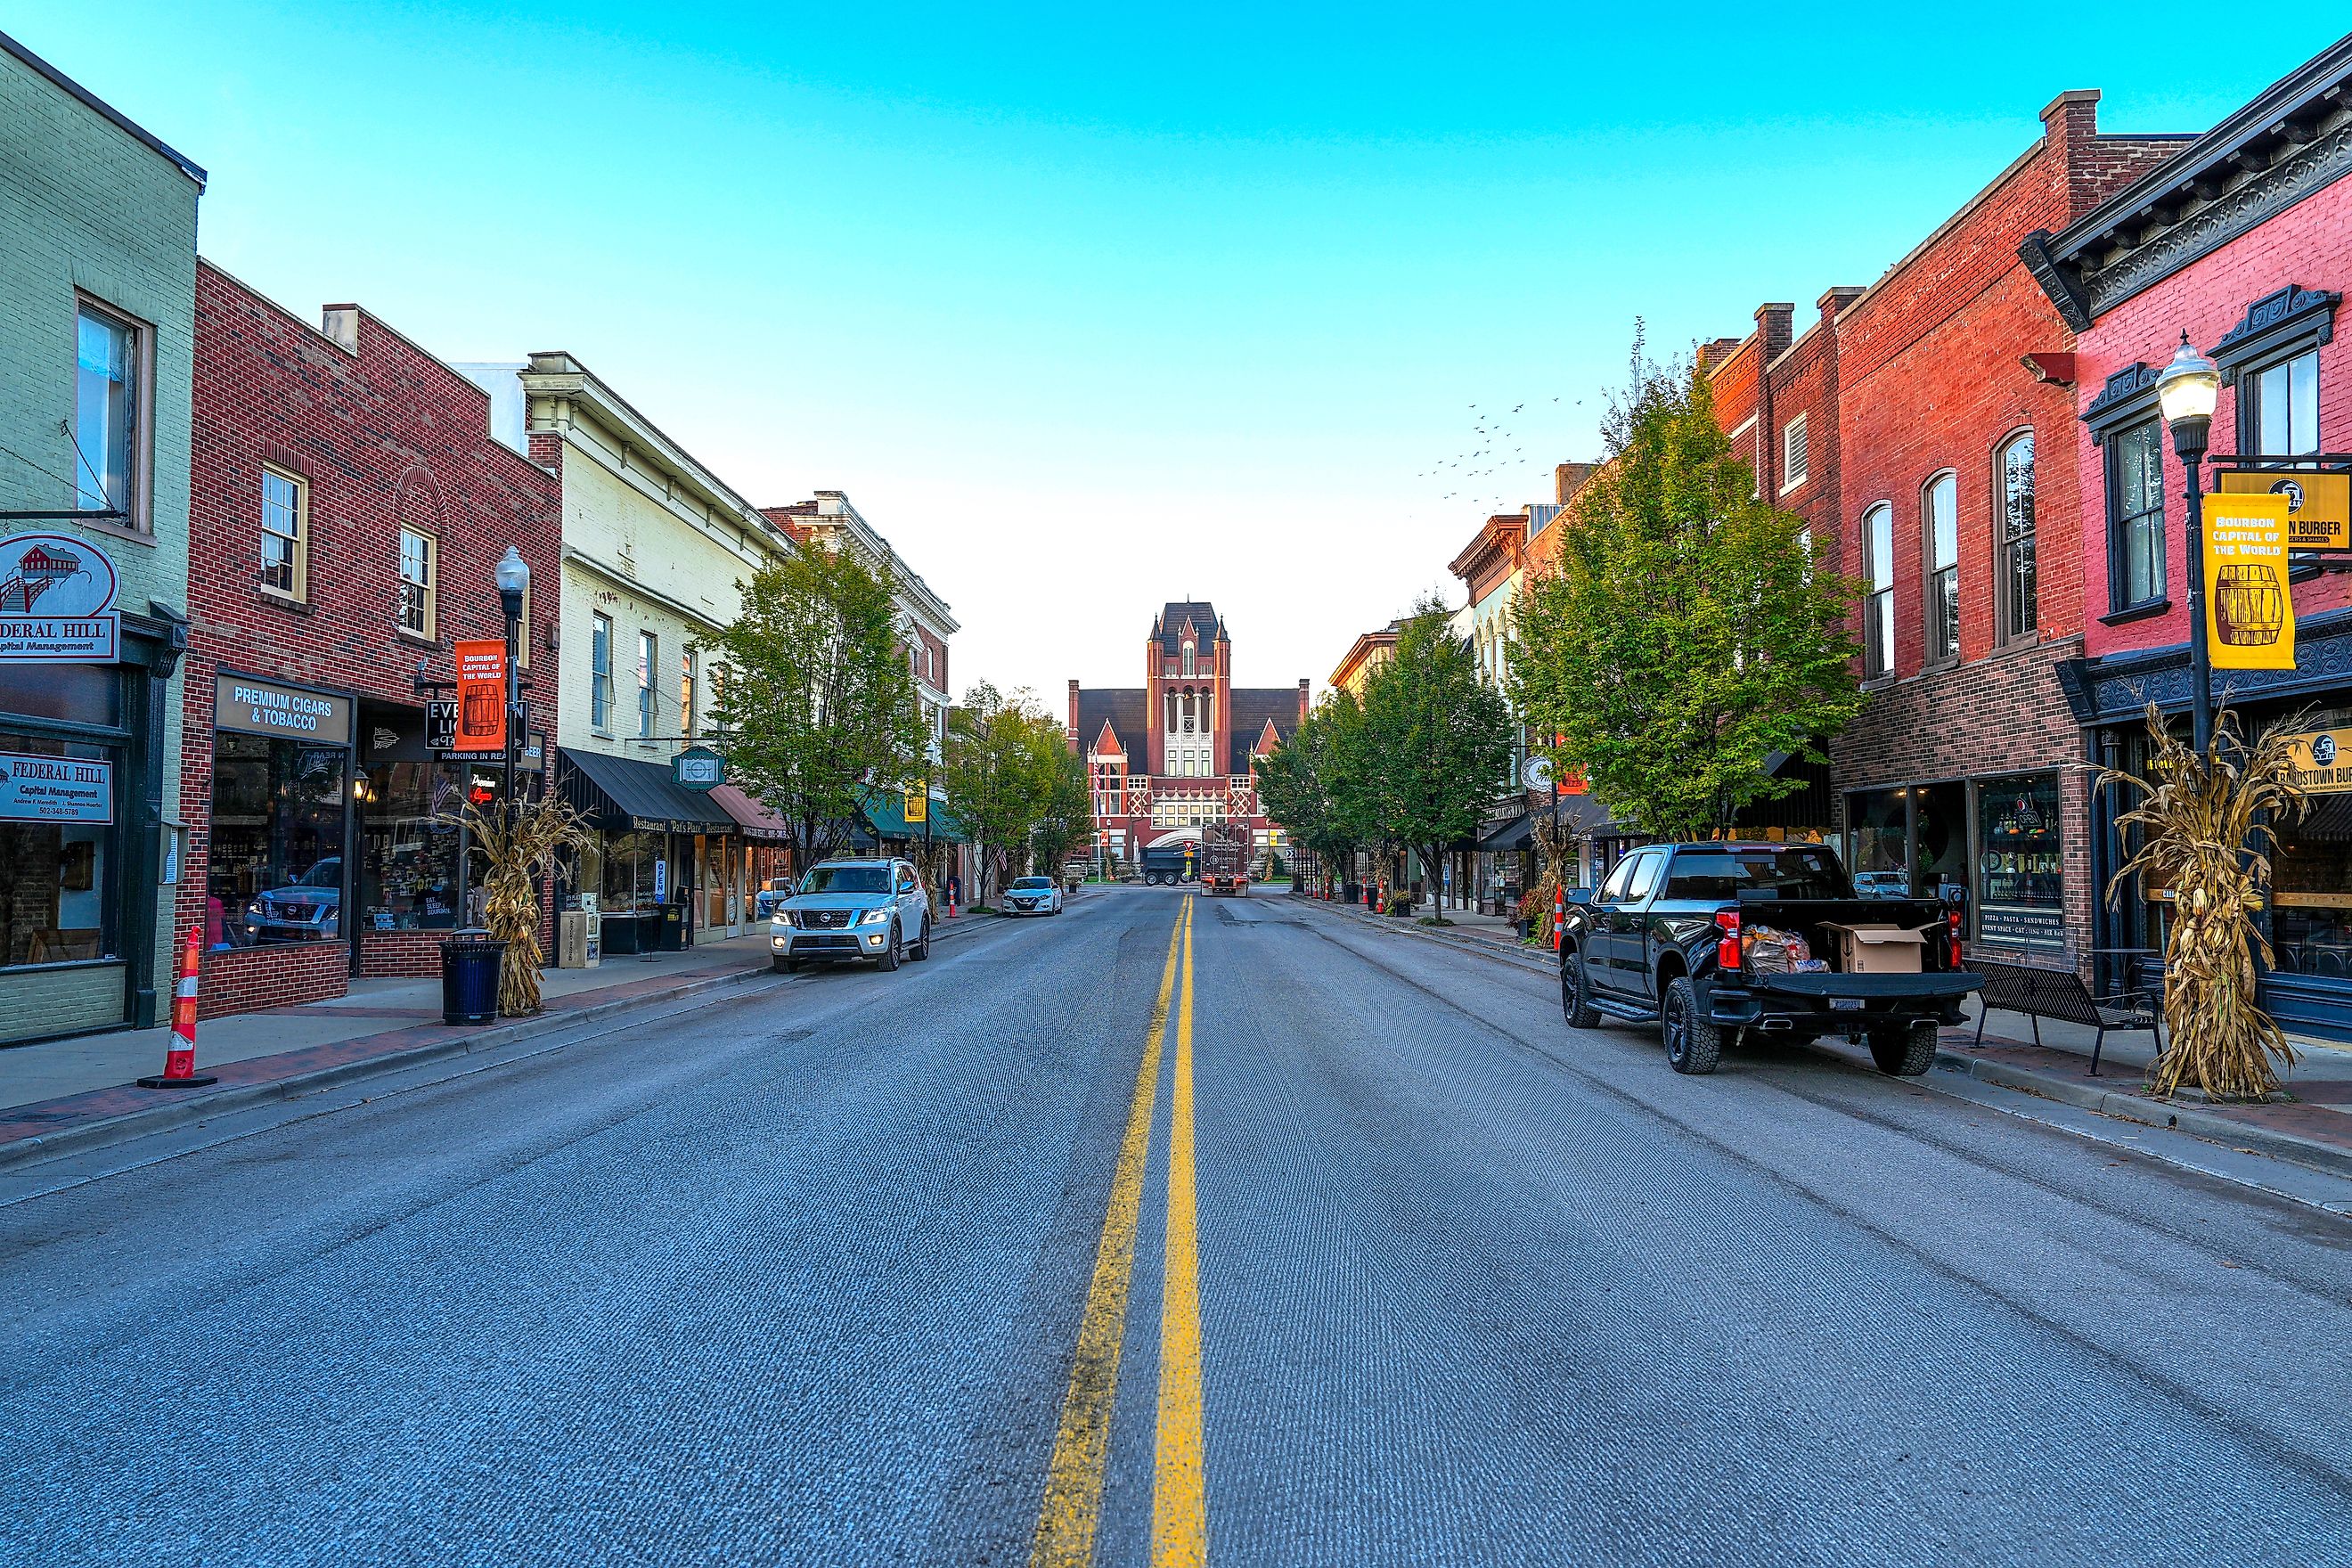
1089	310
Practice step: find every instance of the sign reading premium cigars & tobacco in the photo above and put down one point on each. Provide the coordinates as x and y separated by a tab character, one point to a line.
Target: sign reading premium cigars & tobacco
57	601
266	708
2250	616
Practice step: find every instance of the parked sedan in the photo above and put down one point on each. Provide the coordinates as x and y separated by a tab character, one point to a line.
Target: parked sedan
1033	896
851	909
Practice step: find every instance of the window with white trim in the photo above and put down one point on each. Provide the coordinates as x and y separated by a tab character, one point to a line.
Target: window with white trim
1793	454
1878	604
418	570
1940	529
285	543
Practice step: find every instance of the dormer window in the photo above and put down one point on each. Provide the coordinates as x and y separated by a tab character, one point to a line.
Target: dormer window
1188	661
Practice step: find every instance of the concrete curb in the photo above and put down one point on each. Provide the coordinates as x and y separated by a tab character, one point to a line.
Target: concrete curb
179	1111
2125	1106
1540	963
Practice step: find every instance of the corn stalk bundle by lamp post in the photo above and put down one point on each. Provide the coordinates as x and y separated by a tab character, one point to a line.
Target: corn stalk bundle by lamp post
518	848
1556	844
2206	837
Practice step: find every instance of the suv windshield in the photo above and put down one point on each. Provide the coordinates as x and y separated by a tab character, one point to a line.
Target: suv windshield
1720	875
1031	884
847	879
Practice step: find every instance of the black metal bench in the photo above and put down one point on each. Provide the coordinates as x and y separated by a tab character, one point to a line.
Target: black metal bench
2060	994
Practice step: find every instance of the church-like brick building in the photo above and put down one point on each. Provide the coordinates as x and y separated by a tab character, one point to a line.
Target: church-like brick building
1173	756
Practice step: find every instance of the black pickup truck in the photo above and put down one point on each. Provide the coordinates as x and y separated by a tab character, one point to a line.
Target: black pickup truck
1661	939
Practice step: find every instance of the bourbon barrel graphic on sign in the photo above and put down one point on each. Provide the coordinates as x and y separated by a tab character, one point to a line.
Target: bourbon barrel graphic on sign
2249	606
481	696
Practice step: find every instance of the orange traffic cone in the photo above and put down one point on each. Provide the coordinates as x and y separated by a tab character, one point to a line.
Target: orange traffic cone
1558	912
180	1061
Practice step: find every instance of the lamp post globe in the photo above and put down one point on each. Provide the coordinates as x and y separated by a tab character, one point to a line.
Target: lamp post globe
2187	390
514	581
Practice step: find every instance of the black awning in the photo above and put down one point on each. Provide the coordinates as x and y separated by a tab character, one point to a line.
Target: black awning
618	793
1515	833
1581	815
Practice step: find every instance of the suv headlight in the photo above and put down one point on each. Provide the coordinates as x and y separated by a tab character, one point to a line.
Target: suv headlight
874	917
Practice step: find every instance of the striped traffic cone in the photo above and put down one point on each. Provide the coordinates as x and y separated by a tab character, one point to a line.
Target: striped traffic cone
180	1061
1558	912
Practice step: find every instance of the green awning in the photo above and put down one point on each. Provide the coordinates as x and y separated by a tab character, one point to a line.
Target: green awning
883	815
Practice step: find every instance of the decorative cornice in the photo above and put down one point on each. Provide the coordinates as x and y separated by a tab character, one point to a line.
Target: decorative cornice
2055	281
2119	687
2310	168
2119	399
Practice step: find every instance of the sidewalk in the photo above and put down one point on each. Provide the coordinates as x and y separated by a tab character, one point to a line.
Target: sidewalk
2313	1127
59	1091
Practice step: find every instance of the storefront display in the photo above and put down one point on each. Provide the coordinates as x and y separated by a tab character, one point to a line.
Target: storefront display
2021	873
55	837
409	854
280	812
1992	844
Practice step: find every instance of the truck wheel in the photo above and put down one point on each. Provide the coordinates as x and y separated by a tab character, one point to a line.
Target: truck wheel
921	949
1693	1044
1576	994
889	958
1908	1051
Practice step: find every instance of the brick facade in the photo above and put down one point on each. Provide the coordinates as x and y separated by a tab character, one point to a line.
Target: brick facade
381	434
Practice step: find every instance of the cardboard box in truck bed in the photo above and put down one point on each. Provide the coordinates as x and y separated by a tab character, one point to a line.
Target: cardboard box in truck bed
1878	950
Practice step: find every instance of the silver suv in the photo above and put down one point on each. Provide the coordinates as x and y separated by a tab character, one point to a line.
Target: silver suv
852	910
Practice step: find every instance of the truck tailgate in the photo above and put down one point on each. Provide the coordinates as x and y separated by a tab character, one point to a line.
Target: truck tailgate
1935	985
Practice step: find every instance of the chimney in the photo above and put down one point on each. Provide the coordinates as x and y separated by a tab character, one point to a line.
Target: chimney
1077	740
1302	700
1567	479
342	323
1772	322
2069	119
1835	301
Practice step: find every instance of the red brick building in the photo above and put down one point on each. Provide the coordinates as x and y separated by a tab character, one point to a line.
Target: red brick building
348	507
2243	241
1174	756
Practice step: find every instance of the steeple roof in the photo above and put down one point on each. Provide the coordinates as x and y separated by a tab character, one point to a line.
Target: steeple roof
1173	617
1107	742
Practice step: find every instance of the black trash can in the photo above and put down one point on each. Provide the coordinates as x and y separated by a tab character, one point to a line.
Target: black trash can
673	928
470	977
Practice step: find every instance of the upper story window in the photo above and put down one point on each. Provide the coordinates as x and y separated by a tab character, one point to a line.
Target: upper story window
2136	515
2020	610
109	427
1878	607
600	671
1187	659
648	660
1793	454
419	615
2280	405
285	542
686	692
1940	530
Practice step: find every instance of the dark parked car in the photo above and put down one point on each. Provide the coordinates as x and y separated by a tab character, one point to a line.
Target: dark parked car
1675	934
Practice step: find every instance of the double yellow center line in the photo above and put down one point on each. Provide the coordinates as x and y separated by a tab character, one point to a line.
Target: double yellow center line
1073	1481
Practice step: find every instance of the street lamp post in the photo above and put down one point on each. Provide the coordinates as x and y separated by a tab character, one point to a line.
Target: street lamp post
514	581
2187	390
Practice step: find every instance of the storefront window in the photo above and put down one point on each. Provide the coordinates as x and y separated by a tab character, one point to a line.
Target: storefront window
1940	841
276	865
2311	891
2021	879
630	863
1879	843
55	876
408	860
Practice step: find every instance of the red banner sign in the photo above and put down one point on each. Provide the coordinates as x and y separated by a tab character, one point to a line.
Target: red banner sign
481	697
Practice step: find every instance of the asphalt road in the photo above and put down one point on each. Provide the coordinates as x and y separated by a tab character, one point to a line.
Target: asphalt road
838	1273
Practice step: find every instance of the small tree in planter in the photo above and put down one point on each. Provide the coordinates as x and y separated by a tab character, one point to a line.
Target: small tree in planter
519	850
2206	820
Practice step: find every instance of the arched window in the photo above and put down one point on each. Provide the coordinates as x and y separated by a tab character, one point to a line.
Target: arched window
2020	610
1878	607
1188	661
1940	535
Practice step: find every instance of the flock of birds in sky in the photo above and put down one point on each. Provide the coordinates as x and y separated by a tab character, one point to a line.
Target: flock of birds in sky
1486	456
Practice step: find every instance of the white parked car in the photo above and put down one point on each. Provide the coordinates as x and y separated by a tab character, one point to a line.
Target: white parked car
848	911
1033	896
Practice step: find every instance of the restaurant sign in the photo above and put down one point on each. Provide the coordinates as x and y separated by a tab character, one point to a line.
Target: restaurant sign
56	789
2250	616
2318	505
2320	761
266	708
57	601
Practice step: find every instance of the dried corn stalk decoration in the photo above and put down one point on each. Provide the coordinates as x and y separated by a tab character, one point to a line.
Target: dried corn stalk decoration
1556	845
518	854
2206	837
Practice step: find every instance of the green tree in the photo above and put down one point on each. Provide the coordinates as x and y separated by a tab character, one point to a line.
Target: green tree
1003	755
1684	635
1313	783
1436	736
817	701
1065	822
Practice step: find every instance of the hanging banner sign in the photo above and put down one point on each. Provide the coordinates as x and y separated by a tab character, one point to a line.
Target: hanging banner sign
2249	615
2321	762
481	696
55	789
2318	506
57	601
919	806
697	768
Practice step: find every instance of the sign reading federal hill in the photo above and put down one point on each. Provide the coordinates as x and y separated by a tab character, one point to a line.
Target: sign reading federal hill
56	789
57	601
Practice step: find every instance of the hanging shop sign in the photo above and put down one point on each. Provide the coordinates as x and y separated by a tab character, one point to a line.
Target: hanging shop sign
698	767
481	696
441	725
2321	761
57	601
2249	615
2318	506
918	809
56	789
266	708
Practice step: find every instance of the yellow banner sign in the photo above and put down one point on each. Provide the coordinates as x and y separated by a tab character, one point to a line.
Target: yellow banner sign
918	805
2318	506
2249	615
2322	761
